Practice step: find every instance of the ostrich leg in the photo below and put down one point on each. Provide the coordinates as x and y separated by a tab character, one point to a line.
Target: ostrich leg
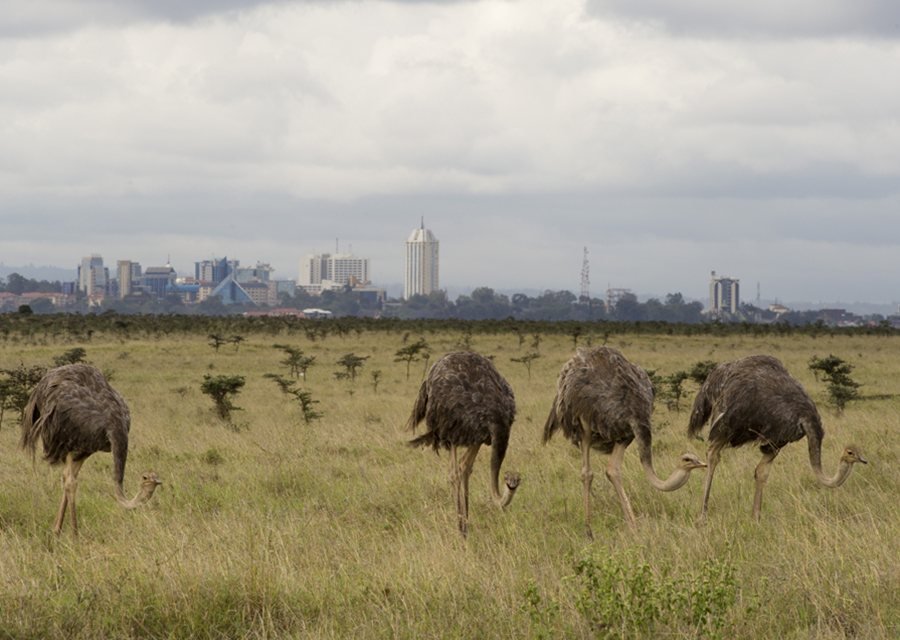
457	486
465	470
587	476
614	474
761	474
70	486
712	459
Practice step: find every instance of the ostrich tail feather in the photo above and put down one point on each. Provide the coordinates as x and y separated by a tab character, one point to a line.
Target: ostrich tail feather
427	439
551	425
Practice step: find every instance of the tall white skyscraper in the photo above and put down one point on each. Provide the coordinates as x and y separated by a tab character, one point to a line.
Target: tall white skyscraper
421	263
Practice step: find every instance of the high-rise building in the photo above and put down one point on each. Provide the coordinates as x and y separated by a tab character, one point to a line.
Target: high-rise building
93	277
128	274
724	295
212	272
329	270
157	281
421	263
262	272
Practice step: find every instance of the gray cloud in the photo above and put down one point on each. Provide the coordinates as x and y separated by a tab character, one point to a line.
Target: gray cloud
763	18
38	17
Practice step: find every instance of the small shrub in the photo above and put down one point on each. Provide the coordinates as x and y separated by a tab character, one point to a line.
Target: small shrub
72	356
701	370
621	597
543	614
212	457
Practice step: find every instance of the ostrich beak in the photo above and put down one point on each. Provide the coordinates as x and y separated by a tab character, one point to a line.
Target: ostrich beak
861	459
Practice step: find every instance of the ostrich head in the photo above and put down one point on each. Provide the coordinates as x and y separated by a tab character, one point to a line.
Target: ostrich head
149	482
852	455
688	462
511	481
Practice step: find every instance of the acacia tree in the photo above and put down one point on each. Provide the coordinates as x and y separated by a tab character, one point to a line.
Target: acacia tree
352	362
376	378
222	389
303	398
418	350
836	372
297	362
575	333
216	340
16	388
527	360
675	388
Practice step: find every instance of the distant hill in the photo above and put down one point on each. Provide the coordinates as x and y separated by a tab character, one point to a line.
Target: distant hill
49	273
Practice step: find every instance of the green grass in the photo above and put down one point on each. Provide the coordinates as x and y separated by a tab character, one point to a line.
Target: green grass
272	527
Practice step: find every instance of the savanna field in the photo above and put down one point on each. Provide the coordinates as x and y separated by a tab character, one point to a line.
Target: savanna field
269	527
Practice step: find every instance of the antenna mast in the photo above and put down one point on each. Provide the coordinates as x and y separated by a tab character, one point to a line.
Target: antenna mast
585	279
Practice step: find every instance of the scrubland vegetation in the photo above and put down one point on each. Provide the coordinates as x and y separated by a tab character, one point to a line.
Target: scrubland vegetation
271	524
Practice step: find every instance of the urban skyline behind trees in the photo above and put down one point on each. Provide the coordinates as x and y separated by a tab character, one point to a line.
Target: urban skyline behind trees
483	303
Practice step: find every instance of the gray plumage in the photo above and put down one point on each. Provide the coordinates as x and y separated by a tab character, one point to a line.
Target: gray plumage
604	402
755	400
465	402
75	413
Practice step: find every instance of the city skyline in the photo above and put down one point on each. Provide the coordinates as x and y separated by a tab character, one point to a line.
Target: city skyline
758	140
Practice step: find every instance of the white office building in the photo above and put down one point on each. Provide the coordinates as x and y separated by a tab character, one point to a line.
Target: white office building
421	263
332	270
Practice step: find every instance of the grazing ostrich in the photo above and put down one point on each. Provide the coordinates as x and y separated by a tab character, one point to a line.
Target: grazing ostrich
465	402
75	412
603	401
755	399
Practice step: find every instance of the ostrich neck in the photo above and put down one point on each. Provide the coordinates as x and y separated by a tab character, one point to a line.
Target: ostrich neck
503	499
815	461
140	498
837	479
675	481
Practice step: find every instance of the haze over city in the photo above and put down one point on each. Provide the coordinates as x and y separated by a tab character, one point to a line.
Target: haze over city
759	140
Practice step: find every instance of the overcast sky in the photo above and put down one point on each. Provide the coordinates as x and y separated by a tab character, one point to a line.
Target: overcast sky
758	139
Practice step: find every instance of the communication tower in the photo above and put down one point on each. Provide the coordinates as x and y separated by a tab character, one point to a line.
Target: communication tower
585	279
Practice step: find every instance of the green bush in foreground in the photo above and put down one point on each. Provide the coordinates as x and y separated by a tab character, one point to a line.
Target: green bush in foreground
618	596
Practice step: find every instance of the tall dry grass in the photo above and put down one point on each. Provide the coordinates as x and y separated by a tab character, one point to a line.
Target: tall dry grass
274	528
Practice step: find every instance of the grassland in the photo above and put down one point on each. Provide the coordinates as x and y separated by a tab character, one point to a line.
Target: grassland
270	527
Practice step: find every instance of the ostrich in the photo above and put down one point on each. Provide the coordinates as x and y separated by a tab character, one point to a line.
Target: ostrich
465	402
755	399
603	401
75	412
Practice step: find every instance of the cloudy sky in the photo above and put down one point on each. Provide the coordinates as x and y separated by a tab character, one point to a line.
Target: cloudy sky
758	139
